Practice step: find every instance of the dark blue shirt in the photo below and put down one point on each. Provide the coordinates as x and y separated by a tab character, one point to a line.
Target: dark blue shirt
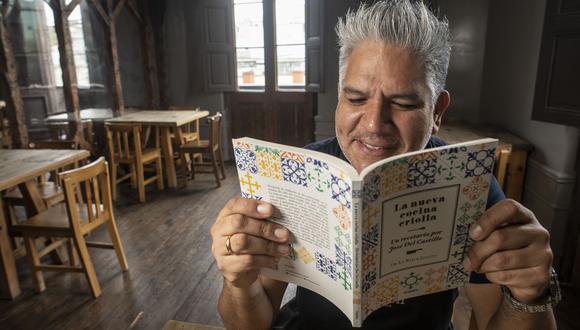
309	310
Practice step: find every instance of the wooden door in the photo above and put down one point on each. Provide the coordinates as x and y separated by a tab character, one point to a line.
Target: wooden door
280	109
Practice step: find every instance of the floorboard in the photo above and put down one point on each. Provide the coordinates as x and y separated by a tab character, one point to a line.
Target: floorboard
172	274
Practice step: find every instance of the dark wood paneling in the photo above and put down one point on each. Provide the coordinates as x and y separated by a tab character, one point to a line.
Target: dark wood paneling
281	117
219	61
557	84
251	115
314	46
569	6
565	79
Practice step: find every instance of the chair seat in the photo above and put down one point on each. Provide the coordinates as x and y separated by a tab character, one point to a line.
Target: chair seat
195	146
47	190
54	218
187	136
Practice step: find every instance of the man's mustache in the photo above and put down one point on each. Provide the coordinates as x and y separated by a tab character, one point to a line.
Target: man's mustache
374	137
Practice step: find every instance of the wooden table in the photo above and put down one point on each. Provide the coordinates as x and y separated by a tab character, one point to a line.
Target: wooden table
96	117
20	167
166	120
517	149
94	114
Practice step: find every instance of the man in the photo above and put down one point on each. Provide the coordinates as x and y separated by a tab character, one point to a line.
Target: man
393	64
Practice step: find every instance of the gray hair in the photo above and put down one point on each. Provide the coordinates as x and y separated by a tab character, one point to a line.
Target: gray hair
401	22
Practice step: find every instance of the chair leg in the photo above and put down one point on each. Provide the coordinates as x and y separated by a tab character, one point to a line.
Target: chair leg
215	168
221	158
87	264
141	182
117	244
159	173
134	176
195	158
113	181
72	253
34	261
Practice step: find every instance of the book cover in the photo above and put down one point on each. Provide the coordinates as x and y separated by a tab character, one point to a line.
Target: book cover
397	230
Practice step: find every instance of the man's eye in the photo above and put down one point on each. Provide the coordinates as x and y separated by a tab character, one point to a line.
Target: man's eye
357	101
405	105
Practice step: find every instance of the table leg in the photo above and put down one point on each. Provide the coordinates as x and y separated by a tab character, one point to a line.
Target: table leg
9	286
168	154
32	198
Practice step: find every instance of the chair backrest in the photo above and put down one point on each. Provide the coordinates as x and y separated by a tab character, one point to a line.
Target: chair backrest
88	194
123	141
214	129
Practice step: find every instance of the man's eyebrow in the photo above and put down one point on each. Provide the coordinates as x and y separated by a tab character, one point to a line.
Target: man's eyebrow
410	96
352	90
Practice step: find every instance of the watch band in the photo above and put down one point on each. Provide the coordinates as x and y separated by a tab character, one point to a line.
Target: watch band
553	298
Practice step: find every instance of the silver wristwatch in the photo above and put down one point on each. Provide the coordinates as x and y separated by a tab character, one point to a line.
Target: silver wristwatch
553	298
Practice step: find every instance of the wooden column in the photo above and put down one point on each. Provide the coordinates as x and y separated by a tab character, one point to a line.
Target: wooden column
142	16
109	15
157	17
14	104
61	13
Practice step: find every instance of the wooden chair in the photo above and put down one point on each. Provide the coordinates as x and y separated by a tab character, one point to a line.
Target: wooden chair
124	147
211	147
88	206
50	191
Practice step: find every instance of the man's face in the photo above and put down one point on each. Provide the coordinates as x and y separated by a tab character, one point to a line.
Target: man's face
385	106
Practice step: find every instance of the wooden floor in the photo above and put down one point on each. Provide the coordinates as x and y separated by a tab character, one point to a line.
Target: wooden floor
172	274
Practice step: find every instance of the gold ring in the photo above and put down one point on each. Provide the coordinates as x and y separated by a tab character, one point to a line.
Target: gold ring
229	245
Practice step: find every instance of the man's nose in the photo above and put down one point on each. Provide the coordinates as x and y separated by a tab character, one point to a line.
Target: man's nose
376	115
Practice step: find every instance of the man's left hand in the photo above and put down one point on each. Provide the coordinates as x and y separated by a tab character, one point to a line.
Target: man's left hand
512	249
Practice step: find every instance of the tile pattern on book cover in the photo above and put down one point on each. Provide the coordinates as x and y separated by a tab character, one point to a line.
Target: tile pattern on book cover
462	166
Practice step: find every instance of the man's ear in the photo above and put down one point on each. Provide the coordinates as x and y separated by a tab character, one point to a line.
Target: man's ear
440	107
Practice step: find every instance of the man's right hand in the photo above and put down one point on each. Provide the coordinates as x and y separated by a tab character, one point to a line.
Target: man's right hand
255	242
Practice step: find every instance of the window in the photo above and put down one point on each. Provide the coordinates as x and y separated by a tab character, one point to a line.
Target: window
283	31
249	44
78	45
290	43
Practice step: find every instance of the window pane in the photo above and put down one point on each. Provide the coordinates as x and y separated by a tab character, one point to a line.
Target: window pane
75	22
249	25
55	55
236	2
290	18
250	67
291	65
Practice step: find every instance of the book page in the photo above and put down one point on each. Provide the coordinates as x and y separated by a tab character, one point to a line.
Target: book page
312	197
417	210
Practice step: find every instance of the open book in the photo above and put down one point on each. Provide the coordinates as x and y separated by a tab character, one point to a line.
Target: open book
397	230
